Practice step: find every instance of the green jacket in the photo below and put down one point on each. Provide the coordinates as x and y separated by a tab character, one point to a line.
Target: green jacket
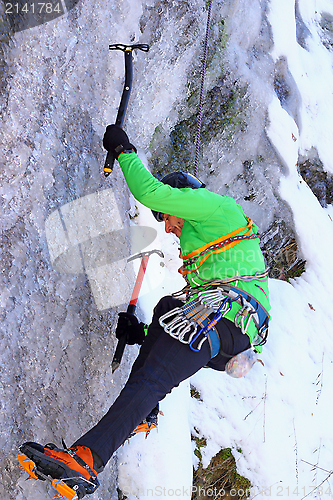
208	216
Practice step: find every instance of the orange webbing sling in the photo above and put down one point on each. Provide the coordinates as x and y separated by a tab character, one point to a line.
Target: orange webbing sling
220	245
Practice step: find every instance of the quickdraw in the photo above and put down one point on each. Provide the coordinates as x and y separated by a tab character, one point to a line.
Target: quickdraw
250	309
217	246
209	306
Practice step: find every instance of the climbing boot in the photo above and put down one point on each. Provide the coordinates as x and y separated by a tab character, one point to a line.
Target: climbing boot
72	472
149	423
152	418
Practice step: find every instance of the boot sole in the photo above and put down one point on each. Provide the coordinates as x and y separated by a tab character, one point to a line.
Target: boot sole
40	466
30	467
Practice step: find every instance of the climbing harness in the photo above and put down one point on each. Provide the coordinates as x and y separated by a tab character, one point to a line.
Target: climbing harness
217	246
188	289
197	145
211	303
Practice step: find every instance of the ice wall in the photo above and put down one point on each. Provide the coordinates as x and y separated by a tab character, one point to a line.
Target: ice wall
57	341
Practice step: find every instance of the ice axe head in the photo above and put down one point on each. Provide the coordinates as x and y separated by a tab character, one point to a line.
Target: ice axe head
146	254
128	48
143	266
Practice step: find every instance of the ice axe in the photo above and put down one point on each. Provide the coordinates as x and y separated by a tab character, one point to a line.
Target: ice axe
132	305
127	49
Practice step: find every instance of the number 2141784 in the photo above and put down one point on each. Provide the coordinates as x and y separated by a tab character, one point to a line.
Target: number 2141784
34	8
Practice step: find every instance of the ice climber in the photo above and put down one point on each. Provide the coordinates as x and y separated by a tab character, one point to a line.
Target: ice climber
222	312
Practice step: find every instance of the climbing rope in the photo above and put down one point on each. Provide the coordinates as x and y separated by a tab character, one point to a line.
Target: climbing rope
197	145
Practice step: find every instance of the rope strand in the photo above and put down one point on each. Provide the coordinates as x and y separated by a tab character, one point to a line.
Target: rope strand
197	146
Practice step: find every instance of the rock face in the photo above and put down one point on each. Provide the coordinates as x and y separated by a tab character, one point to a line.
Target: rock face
321	182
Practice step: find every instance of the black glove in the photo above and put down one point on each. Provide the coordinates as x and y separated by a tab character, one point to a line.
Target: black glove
129	325
116	141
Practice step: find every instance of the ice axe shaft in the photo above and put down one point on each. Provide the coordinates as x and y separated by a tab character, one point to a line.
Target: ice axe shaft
127	49
132	305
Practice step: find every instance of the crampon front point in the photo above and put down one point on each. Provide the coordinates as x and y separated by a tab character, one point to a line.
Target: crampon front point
143	427
148	424
62	489
63	469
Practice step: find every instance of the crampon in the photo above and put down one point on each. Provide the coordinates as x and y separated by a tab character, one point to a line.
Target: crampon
66	470
148	424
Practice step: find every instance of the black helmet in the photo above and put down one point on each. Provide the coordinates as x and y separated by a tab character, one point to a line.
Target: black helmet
179	180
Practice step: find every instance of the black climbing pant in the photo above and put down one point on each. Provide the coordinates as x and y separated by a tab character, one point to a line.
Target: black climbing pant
163	362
